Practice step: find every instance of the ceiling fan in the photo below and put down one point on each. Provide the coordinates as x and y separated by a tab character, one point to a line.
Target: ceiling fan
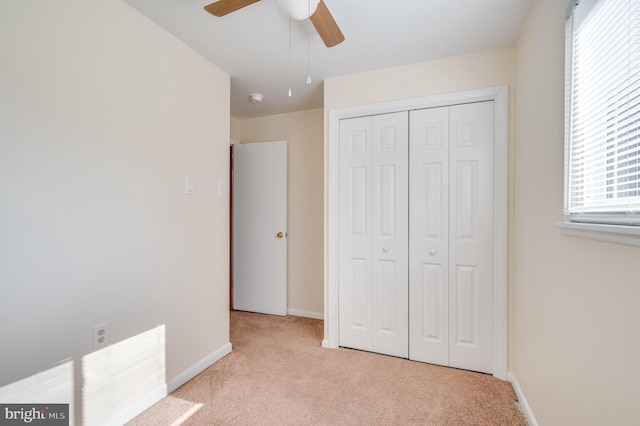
315	10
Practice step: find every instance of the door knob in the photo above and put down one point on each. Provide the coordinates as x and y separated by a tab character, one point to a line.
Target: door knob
385	249
433	251
281	234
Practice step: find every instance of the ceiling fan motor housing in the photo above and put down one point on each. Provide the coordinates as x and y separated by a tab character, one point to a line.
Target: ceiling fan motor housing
299	9
314	10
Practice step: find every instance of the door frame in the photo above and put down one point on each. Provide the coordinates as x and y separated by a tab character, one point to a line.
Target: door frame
500	96
231	144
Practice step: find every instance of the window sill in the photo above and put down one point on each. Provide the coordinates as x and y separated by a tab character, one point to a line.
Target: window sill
619	234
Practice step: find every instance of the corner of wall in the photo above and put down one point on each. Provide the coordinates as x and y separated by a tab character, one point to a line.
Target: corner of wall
199	367
522	401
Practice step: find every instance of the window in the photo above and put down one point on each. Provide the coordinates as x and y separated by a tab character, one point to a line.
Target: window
602	175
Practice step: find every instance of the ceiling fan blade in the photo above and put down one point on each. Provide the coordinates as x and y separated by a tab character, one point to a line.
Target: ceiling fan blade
224	7
326	26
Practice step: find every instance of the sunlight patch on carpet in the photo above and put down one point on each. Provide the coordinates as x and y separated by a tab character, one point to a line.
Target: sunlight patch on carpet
170	411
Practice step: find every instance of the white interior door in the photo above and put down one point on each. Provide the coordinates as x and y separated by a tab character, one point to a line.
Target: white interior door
481	285
260	227
471	237
451	244
390	196
429	241
428	296
374	234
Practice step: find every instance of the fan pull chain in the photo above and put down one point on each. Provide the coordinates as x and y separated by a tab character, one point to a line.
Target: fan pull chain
308	43
290	57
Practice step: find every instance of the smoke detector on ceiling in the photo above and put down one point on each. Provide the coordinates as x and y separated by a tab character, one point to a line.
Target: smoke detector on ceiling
256	98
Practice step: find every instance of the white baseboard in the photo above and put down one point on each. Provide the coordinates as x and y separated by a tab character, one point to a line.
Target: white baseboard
133	410
198	367
524	405
306	314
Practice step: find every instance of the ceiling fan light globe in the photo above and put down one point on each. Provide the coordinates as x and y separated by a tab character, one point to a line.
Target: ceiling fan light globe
299	9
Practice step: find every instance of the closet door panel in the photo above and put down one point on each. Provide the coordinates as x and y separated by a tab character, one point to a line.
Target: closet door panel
416	235
428	243
355	259
390	233
471	237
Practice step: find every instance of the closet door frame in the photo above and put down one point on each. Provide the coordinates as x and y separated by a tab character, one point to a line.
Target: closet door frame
498	94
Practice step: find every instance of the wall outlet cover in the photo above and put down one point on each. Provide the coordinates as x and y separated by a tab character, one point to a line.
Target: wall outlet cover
100	336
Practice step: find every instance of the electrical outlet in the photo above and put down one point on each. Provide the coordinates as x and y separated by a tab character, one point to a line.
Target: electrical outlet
100	336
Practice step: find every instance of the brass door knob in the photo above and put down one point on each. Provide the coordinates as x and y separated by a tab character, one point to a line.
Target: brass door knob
281	234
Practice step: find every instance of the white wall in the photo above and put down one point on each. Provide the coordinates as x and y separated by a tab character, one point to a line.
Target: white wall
102	116
478	70
303	131
235	128
575	340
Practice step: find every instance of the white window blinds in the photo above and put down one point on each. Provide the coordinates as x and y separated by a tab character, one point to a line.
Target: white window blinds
603	112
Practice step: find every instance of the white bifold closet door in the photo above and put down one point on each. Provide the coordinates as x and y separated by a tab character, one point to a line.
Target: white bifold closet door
451	243
374	234
416	235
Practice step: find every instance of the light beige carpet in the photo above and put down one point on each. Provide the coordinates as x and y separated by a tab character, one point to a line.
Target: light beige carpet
278	374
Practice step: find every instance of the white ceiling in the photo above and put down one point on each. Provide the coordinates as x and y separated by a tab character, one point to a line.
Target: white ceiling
252	44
